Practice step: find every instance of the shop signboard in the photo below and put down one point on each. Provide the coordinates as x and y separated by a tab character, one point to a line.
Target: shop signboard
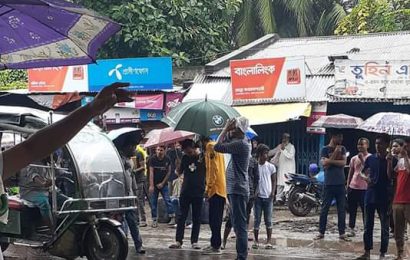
58	79
376	79
141	73
318	110
275	79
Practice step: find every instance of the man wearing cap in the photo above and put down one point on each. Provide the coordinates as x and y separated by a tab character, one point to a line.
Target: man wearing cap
232	141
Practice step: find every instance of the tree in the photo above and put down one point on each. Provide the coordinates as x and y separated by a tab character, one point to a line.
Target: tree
13	79
288	18
371	16
191	31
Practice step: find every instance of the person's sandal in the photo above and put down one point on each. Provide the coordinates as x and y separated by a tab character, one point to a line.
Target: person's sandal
345	238
319	236
177	245
255	246
195	246
268	246
154	224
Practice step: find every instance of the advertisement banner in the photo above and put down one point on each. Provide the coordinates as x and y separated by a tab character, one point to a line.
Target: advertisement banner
273	78
172	100
154	101
318	110
151	115
371	79
58	79
141	73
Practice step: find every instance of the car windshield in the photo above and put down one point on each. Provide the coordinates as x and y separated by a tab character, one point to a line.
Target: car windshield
99	164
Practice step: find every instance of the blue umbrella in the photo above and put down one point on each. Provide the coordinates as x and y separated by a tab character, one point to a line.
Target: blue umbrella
47	33
250	134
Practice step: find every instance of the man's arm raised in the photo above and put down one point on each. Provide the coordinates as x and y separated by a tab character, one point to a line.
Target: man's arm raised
52	137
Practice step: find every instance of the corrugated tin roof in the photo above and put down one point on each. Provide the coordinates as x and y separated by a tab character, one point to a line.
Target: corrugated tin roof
214	89
220	89
316	50
319	70
316	87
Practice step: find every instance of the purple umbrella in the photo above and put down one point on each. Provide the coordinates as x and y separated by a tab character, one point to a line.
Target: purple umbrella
47	33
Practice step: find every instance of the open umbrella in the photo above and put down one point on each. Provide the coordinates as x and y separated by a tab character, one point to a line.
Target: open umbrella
388	123
166	136
338	121
204	117
250	134
46	33
118	136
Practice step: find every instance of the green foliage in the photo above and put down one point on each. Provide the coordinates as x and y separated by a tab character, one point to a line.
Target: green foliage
13	79
288	18
191	31
371	16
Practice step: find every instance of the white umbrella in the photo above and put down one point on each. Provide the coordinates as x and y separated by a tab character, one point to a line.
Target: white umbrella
338	121
134	132
389	123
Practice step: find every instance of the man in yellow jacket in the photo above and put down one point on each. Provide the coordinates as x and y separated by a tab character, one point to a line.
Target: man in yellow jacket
216	193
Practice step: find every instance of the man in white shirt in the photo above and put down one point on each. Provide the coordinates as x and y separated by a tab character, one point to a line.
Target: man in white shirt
264	195
50	138
284	160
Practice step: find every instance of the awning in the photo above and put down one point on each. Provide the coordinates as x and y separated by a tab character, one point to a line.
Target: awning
275	113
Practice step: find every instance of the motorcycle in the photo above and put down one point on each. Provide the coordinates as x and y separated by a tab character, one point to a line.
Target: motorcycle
305	193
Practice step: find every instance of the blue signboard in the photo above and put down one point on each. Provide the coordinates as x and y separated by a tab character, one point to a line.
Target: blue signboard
151	115
141	73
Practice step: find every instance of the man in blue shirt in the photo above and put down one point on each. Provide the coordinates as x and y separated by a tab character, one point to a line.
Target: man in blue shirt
377	171
232	140
333	159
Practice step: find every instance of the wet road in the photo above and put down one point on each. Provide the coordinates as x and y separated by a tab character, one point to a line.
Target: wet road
292	239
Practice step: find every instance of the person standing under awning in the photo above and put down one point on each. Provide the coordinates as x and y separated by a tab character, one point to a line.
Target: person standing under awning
284	160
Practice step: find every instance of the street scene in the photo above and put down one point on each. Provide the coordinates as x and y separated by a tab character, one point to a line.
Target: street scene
219	129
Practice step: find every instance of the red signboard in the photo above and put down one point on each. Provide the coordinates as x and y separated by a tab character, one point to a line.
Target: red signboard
274	78
58	79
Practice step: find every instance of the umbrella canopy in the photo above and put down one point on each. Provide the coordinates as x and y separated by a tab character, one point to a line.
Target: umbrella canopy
204	117
338	121
388	123
118	136
250	134
47	33
166	136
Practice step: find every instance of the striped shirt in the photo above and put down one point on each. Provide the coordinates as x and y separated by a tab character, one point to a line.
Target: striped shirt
237	181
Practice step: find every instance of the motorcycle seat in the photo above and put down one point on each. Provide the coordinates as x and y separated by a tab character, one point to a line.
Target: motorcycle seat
298	175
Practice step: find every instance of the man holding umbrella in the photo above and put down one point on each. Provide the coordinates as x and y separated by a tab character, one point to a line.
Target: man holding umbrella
232	140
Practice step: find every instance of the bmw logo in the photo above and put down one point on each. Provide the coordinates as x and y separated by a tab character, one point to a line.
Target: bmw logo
218	120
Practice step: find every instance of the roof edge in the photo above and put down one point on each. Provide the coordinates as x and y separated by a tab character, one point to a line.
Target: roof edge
242	52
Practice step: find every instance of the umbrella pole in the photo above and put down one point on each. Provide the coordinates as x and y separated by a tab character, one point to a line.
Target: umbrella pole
53	181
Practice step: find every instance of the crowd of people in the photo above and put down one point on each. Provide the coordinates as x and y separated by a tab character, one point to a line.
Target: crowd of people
253	181
376	183
189	174
249	181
